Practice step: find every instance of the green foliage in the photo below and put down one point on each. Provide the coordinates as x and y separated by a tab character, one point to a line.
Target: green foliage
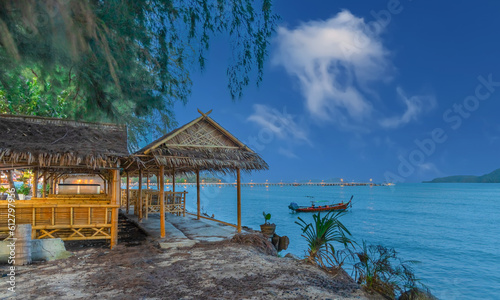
24	189
122	61
3	189
321	235
380	270
267	217
27	96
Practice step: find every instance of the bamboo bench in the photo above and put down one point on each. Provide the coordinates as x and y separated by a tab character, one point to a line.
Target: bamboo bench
60	218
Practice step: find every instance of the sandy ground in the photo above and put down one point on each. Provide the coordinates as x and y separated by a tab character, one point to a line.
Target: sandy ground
139	270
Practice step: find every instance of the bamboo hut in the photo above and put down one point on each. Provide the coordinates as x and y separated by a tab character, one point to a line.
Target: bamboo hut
55	149
200	145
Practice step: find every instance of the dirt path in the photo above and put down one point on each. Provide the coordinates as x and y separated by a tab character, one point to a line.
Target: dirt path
221	270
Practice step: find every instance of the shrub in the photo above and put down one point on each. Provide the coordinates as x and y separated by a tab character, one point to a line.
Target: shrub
380	270
321	235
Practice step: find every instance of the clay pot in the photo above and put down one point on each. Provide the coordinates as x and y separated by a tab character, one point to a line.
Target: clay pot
268	229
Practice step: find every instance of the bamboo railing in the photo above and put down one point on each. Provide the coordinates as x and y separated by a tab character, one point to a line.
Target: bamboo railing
175	203
65	218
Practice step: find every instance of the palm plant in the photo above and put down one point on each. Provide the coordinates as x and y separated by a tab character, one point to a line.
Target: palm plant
380	270
320	236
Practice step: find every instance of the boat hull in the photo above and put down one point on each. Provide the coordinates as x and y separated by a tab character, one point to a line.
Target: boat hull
337	206
323	208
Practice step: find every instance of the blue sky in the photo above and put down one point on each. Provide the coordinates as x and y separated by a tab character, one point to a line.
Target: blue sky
401	91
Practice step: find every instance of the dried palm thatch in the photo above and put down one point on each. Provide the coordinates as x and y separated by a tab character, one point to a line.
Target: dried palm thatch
199	145
50	142
258	240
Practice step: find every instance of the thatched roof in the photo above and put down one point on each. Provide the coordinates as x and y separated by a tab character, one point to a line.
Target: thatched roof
201	144
50	142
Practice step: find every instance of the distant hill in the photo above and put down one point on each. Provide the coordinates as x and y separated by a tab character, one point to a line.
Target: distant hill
493	177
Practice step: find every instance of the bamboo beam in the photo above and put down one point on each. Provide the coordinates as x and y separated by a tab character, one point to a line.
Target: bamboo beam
50	205
198	194
238	191
8	168
128	193
203	146
215	220
161	198
139	196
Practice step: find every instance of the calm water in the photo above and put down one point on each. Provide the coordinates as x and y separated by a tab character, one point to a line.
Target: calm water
453	229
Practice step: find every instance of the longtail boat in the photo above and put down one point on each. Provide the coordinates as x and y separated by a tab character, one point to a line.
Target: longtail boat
313	208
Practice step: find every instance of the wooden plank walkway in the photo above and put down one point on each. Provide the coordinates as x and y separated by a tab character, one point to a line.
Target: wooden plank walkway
182	231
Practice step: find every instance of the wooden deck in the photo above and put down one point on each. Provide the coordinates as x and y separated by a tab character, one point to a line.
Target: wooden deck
182	231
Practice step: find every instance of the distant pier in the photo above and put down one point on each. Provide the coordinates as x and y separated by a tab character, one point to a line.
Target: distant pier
267	184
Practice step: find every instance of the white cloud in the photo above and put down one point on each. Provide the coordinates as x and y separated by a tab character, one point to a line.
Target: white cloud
334	60
281	124
415	106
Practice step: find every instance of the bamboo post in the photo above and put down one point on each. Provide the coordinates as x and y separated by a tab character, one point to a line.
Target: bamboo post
238	191
139	196
147	180
35	183
198	193
173	180
146	204
52	181
161	198
128	193
115	199
44	185
10	178
105	186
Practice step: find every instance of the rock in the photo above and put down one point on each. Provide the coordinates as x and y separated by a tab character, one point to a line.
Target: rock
49	249
280	242
44	249
283	243
292	256
276	241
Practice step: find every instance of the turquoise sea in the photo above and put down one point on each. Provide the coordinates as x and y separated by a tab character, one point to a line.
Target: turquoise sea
453	229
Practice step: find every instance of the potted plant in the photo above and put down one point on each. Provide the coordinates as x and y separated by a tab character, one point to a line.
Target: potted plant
23	191
267	229
3	195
